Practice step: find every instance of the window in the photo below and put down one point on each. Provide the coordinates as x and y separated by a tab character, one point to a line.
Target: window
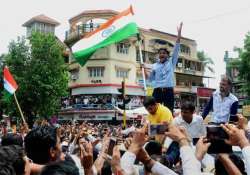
122	48
179	63
185	49
122	73
96	71
74	74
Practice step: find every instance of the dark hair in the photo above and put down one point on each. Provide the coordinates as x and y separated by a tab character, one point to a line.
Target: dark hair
220	169
153	148
60	168
148	101
187	105
228	79
12	160
164	49
12	139
106	169
38	143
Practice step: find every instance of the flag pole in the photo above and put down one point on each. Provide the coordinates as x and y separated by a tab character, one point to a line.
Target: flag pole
141	63
124	116
19	108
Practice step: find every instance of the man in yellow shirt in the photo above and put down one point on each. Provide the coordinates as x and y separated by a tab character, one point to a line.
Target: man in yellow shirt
158	114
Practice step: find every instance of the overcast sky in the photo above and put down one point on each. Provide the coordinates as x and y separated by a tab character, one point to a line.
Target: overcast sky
216	25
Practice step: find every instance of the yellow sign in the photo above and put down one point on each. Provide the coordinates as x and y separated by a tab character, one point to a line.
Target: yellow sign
246	110
149	91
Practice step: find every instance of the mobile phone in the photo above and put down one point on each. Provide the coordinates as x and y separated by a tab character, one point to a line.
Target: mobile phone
157	129
233	118
216	136
216	132
112	144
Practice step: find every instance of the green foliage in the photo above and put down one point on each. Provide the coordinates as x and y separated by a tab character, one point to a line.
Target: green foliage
39	70
206	61
244	65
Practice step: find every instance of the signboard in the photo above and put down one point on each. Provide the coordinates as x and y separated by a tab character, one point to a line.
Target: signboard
246	110
88	117
96	81
149	91
204	92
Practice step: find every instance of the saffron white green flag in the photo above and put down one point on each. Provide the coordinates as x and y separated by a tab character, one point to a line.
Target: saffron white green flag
114	30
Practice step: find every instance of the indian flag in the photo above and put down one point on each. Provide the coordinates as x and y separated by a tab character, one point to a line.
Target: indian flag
114	30
9	82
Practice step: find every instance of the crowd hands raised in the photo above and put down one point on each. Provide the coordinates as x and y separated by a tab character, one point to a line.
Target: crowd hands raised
85	149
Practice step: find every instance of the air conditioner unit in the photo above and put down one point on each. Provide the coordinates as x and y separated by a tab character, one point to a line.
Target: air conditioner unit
74	77
179	64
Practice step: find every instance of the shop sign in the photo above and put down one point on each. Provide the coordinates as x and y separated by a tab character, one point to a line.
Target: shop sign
96	81
204	92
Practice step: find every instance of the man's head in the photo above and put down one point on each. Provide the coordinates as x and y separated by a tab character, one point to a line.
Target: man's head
12	139
163	54
187	110
60	168
42	145
150	104
225	85
153	148
13	161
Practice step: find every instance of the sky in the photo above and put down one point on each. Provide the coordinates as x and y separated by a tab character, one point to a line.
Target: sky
215	25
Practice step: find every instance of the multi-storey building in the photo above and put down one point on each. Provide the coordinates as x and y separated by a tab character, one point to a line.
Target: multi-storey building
40	23
103	73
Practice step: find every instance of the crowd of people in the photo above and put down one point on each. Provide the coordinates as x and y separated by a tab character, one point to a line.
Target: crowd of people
159	145
85	148
99	102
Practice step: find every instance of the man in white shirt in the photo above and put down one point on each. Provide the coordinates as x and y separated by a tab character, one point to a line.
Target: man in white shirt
190	121
194	126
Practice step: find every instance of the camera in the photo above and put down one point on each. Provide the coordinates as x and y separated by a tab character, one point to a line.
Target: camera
216	136
112	144
157	129
216	132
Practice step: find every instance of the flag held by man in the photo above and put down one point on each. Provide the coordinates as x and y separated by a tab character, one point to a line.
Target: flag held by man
10	84
116	29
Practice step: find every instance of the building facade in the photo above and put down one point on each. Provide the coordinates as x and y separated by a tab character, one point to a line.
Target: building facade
40	23
103	73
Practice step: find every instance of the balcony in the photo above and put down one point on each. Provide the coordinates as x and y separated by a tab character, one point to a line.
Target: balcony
182	88
72	36
188	71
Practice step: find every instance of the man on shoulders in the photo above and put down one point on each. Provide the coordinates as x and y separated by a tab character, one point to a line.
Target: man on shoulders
223	103
162	75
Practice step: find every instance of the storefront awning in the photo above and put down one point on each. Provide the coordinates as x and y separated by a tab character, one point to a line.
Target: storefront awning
106	90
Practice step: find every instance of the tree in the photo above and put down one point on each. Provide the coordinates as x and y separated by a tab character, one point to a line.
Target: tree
39	70
244	65
206	61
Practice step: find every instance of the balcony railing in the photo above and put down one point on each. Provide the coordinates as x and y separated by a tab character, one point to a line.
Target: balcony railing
80	31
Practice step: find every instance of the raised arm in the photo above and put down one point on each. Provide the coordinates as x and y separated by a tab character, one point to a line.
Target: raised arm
177	46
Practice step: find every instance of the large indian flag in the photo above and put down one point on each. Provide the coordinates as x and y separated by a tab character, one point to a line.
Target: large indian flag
114	30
